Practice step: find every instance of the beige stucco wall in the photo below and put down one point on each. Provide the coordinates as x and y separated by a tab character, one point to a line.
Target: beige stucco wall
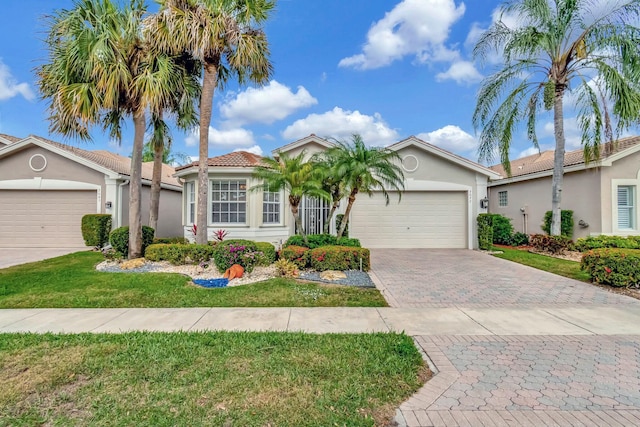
581	193
310	149
625	171
169	215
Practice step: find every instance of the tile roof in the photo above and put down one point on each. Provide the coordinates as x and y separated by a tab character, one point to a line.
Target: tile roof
237	159
115	162
544	161
9	137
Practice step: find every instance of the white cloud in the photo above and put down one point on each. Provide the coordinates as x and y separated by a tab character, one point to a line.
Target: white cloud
451	138
462	72
572	133
341	124
267	104
223	138
530	151
9	86
256	149
417	28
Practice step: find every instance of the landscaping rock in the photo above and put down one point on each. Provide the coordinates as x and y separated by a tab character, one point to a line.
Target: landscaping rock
333	275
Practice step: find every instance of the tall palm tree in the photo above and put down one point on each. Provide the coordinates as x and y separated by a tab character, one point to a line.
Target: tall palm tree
99	71
224	35
332	183
582	47
365	169
296	176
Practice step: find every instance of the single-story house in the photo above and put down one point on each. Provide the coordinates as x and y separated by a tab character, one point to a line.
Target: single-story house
46	187
443	195
602	194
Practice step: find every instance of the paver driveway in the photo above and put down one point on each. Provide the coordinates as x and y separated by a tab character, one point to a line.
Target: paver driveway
498	380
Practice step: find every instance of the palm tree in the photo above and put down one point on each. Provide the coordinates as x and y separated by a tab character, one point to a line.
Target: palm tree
365	169
582	47
99	71
223	35
332	183
294	175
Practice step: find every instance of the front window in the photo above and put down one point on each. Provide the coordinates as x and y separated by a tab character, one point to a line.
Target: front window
271	207
191	202
229	201
503	198
626	207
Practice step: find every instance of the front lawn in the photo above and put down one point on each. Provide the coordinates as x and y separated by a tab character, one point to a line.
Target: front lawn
71	281
216	379
561	267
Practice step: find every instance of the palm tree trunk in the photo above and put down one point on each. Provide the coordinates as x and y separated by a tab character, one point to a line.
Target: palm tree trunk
558	161
296	216
209	83
158	152
327	223
135	187
345	218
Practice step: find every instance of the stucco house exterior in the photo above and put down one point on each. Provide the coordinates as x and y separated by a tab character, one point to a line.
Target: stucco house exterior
603	194
443	195
46	187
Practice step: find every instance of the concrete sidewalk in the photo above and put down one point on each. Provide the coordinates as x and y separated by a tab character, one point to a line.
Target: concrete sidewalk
501	321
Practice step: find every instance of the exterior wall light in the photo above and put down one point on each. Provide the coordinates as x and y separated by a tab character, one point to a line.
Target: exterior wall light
484	203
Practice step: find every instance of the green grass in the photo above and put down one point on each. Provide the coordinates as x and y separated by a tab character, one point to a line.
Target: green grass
188	379
561	267
72	281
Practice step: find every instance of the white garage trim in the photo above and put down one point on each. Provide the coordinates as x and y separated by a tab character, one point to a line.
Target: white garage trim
38	183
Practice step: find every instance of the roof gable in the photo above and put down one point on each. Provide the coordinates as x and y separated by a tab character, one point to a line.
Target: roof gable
313	138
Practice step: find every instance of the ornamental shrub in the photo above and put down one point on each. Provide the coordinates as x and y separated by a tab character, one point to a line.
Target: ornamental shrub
96	229
286	268
295	254
615	267
502	229
485	231
235	251
339	258
179	254
566	223
348	241
119	239
268	253
595	242
171	240
315	240
519	239
547	243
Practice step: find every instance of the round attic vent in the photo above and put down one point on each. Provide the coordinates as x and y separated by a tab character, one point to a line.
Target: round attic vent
409	163
37	162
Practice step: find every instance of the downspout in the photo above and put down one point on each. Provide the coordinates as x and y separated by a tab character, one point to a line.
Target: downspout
119	211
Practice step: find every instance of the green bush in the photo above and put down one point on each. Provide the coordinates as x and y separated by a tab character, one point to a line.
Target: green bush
502	229
286	268
547	243
295	254
236	251
315	240
96	229
485	231
519	239
179	254
171	240
595	242
339	258
268	253
566	223
348	241
119	239
615	267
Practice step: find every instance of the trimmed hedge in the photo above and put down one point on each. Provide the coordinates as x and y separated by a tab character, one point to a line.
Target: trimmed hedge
339	258
566	223
553	244
119	239
596	242
485	231
170	240
615	267
268	253
295	254
315	240
502	229
235	251
96	229
179	254
349	241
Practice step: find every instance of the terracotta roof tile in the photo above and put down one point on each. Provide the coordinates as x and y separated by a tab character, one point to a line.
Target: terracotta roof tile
10	138
544	161
237	159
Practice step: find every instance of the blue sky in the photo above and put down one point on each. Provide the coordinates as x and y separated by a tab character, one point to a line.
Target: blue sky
384	69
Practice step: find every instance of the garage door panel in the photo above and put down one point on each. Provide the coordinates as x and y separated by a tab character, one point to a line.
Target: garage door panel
421	220
43	218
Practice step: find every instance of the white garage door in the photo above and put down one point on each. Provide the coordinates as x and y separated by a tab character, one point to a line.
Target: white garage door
43	219
423	219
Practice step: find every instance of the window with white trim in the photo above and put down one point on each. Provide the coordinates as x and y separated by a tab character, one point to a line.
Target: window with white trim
229	201
503	199
191	202
271	207
626	207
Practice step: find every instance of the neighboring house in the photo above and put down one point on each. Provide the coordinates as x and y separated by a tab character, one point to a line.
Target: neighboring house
603	194
443	195
46	187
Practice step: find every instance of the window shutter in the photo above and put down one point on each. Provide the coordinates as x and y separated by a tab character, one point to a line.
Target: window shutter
625	208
